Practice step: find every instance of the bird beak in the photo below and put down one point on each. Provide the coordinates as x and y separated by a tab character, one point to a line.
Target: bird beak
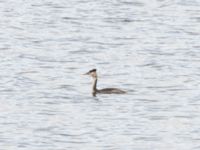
86	73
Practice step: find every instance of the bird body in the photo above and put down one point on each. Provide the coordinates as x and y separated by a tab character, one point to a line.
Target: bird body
95	91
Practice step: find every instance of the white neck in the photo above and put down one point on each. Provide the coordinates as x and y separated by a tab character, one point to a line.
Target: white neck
94	86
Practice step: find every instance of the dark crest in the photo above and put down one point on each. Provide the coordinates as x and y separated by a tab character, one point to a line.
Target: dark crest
93	70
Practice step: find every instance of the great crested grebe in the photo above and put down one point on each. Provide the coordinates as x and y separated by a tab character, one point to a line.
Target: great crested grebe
95	91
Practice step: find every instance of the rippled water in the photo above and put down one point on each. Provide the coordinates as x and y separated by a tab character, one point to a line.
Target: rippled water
149	48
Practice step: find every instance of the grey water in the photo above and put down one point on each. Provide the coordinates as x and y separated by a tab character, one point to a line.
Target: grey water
151	49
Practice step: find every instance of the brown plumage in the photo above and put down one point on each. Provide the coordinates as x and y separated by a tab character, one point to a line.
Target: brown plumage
93	74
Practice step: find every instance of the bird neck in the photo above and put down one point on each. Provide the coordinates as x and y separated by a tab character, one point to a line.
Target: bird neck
94	86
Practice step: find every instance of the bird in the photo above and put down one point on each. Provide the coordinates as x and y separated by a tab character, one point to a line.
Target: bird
93	74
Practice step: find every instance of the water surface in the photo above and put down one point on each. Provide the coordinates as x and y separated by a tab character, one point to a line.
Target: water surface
150	49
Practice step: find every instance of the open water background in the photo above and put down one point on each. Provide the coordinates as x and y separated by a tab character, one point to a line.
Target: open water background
150	48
